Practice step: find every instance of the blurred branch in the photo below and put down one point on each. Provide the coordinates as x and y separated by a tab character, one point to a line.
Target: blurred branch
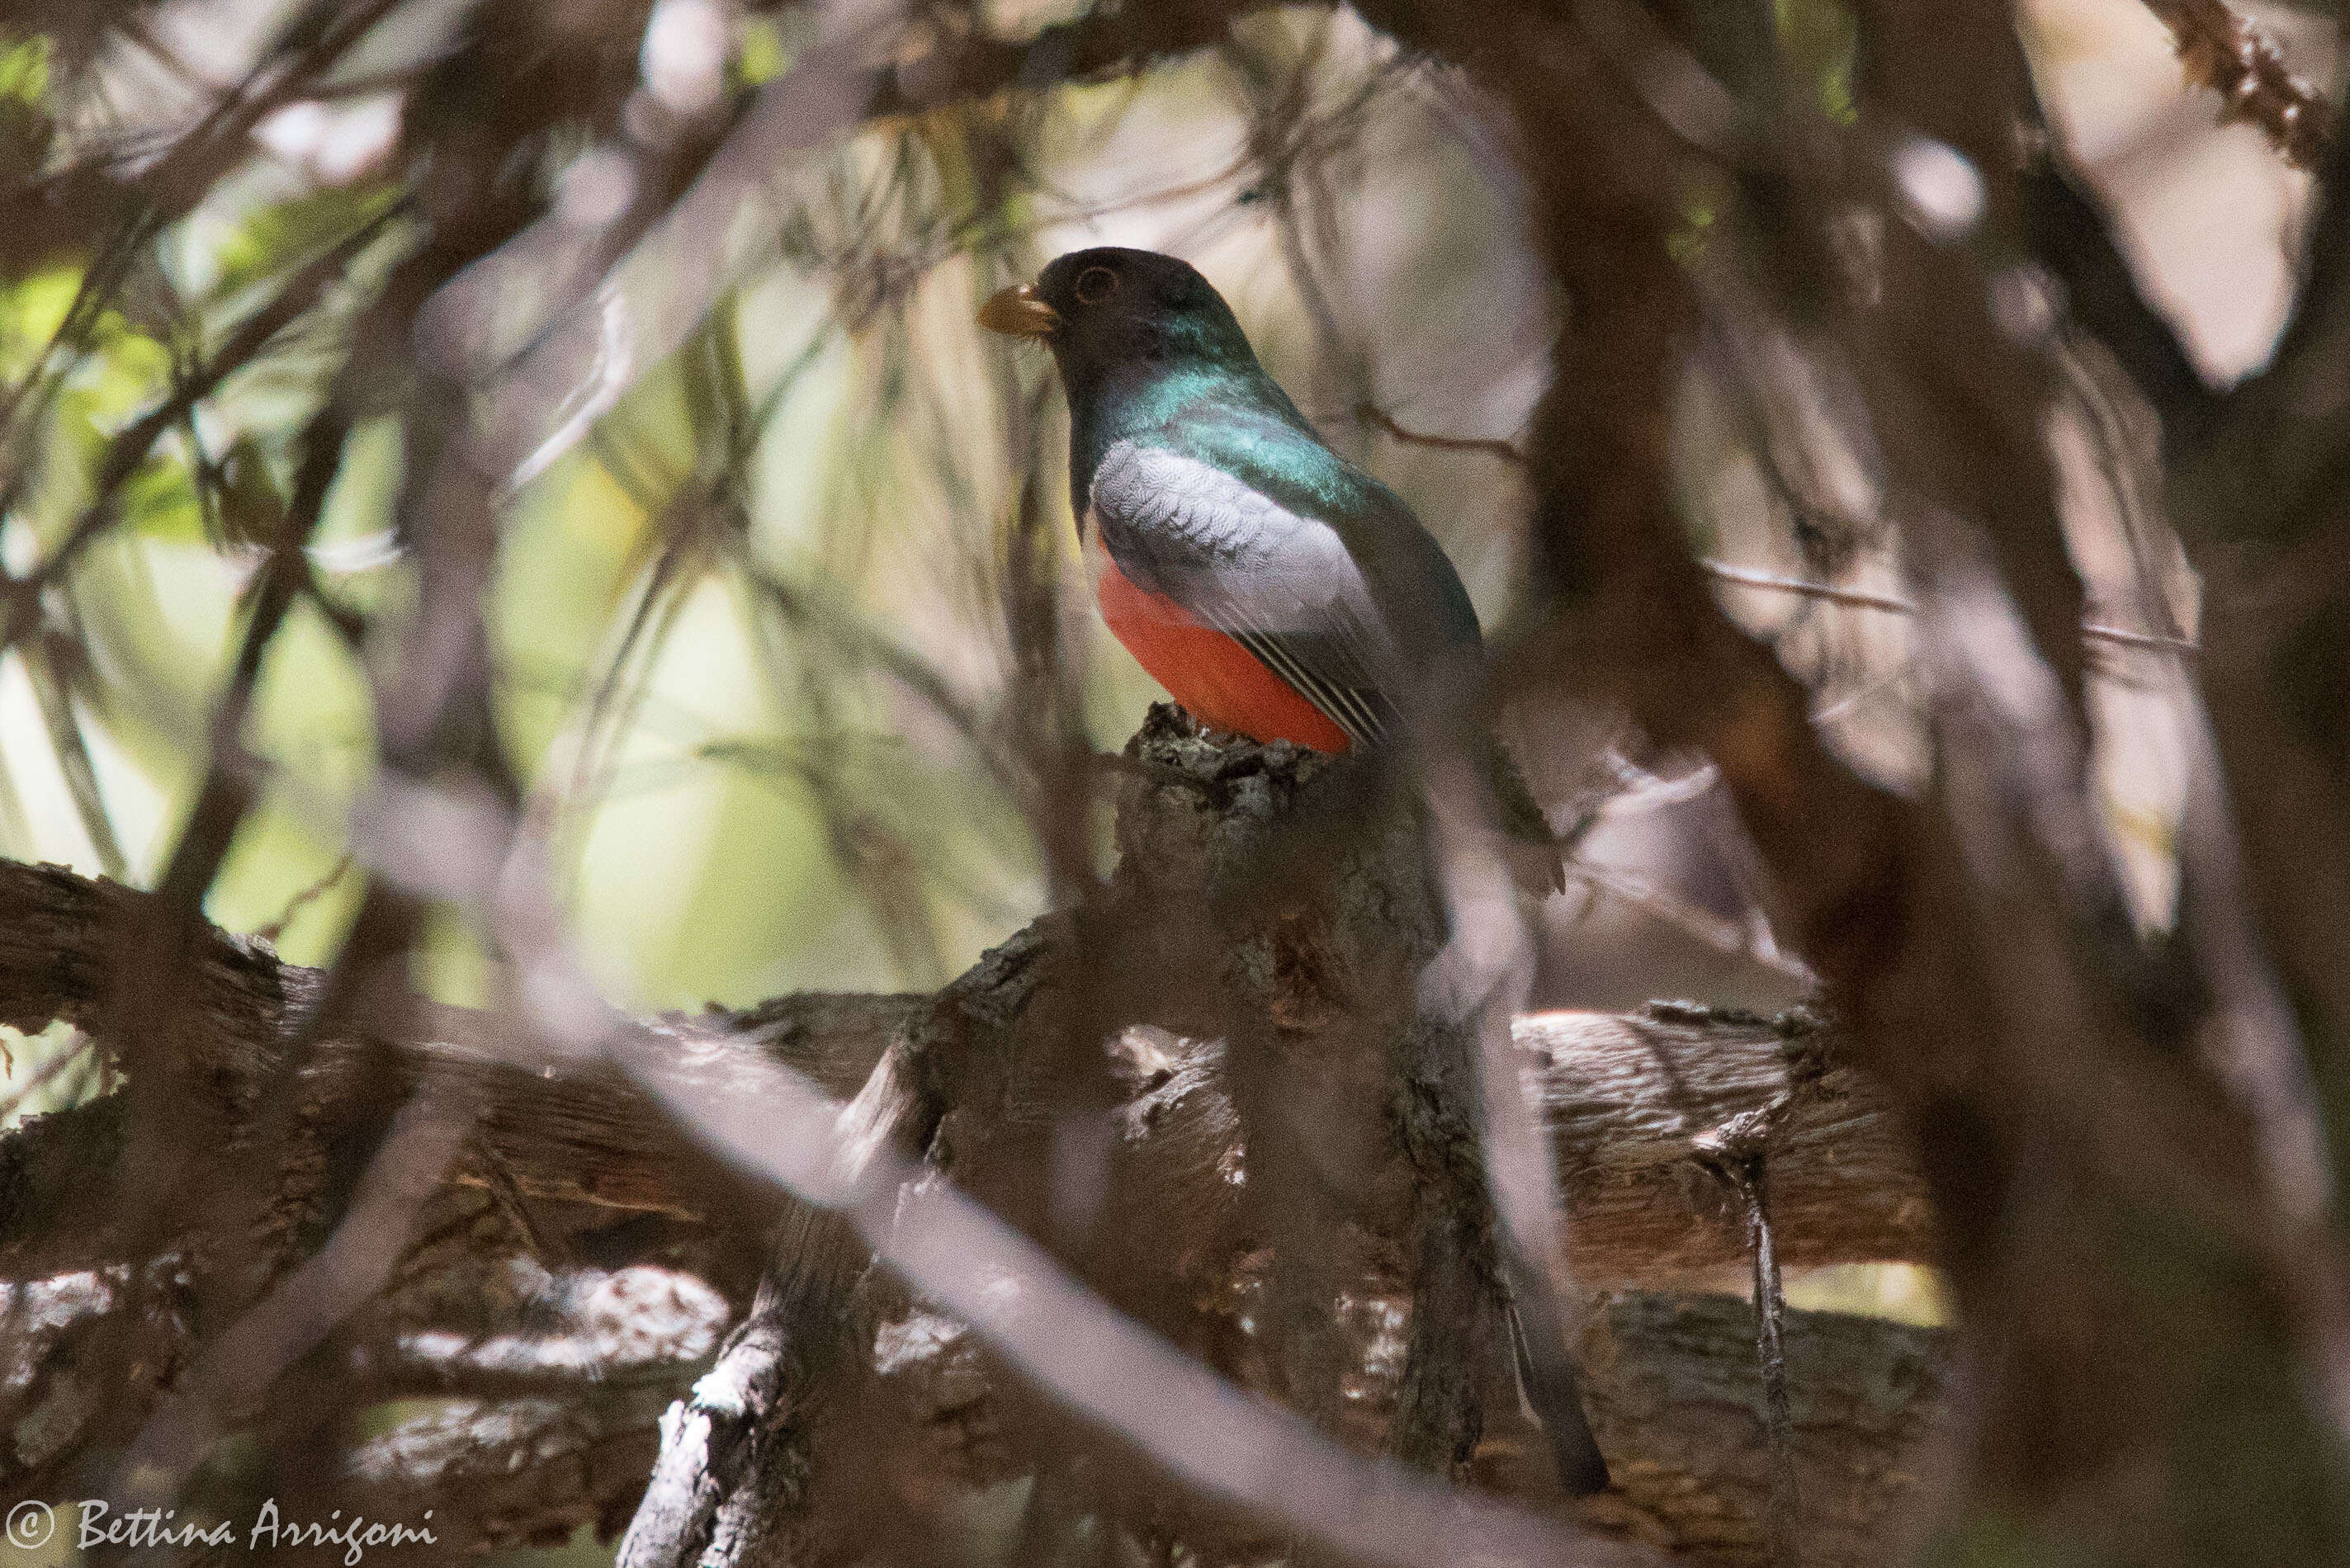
2068	229
47	666
1974	936
1747	576
244	1361
2265	840
1103	42
1288	142
1733	938
1624	1101
597	335
1623	1096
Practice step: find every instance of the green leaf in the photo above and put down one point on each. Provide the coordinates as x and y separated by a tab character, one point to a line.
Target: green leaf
285	233
30	314
759	56
160	502
1819	37
25	69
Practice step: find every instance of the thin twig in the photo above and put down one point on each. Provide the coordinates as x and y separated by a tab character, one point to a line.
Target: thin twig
1747	578
1372	414
1726	936
1736	1152
49	670
2233	57
304	900
127	451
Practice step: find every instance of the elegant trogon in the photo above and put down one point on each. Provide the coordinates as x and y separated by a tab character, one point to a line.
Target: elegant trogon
1273	587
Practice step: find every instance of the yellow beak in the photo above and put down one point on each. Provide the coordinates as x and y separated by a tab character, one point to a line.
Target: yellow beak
1017	312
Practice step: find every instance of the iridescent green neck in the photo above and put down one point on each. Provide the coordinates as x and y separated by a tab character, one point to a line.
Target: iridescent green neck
1141	397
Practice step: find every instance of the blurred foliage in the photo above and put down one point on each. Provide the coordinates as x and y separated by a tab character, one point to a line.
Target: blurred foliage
757	659
1818	37
705	613
750	632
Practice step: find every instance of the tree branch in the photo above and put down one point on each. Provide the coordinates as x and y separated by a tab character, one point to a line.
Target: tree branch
2235	58
570	1167
1627	1096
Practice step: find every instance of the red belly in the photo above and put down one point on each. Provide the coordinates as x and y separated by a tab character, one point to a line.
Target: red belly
1214	677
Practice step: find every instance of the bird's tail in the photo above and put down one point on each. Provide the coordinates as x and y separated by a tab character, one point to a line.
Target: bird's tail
1548	1385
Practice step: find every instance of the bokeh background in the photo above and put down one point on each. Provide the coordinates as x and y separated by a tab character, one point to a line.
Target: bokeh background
733	793
748	606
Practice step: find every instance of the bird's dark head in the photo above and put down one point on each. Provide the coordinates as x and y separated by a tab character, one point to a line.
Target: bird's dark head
1110	309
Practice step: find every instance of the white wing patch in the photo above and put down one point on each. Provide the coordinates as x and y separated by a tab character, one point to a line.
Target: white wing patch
1282	584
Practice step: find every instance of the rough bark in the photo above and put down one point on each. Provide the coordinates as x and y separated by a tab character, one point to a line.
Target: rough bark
577	1268
1626	1095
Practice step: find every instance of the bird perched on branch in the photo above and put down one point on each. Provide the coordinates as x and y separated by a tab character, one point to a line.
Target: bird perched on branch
1273	587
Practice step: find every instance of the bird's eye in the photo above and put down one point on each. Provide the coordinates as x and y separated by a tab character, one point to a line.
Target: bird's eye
1095	284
